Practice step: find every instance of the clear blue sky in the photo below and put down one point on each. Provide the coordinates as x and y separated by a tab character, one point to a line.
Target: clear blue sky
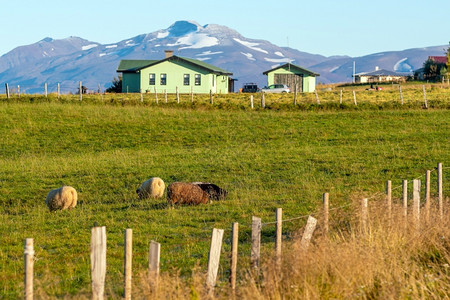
327	27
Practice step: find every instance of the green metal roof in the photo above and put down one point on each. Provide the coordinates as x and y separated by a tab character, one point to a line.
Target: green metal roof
128	65
132	65
294	68
210	67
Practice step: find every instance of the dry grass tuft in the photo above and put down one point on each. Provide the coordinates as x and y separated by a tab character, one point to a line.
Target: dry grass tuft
391	259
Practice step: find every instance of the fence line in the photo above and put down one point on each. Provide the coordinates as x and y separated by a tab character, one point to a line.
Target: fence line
332	96
98	242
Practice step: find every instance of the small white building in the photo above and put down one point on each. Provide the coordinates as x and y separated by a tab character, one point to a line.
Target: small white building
379	75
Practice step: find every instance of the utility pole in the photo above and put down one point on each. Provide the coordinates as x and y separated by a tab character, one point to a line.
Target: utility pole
354	68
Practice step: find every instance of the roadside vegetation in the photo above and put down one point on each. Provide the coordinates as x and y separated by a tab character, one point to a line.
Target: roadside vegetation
282	156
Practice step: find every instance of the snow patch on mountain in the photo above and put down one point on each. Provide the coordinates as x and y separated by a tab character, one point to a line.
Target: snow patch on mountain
334	69
203	58
162	35
279	53
84	48
403	66
209	53
279	60
248	55
195	41
250	45
111	46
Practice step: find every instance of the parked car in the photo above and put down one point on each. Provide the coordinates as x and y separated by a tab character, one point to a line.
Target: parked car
276	88
250	88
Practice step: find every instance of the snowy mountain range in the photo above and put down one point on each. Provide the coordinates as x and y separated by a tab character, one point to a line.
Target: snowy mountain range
68	61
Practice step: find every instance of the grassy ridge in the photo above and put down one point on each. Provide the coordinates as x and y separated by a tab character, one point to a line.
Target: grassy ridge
264	159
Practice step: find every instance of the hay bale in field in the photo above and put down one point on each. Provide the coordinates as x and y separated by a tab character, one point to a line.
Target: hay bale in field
63	198
151	188
214	191
186	193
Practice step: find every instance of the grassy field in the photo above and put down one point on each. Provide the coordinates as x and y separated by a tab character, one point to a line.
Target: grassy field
264	158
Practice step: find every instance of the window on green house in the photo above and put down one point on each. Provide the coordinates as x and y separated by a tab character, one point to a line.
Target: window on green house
163	79
198	79
186	80
151	79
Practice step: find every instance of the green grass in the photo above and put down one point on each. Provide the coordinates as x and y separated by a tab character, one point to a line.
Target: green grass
265	159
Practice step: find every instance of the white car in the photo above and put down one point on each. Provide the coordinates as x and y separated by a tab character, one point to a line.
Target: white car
276	88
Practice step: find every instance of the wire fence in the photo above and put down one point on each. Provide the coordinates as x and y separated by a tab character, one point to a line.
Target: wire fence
433	95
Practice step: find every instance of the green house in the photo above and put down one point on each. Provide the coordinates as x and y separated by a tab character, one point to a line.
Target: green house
297	78
174	73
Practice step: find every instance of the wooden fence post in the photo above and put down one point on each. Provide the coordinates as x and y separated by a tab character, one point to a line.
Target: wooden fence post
165	95
142	96
153	264
58	90
256	242
45	90
28	254
424	96
192	95
326	208
364	214
307	234
178	95
439	190
389	198
263	100
401	94
295	94
234	254
18	90
98	262
211	101
80	87
128	258
7	90
340	98
405	198
416	202
427	195
278	236
317	96
156	96
251	101
214	257
354	98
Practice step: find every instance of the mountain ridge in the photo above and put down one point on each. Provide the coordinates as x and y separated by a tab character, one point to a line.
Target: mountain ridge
70	60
